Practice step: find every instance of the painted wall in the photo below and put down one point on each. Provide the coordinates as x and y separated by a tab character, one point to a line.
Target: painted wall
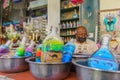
53	12
109	4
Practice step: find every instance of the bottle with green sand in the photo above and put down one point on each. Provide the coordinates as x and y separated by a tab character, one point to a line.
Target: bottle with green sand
52	47
21	49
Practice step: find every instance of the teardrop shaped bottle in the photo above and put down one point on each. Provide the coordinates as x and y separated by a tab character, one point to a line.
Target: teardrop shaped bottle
103	59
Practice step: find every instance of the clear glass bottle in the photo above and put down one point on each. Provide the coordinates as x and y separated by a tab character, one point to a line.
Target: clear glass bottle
103	58
29	49
75	15
21	49
5	48
52	47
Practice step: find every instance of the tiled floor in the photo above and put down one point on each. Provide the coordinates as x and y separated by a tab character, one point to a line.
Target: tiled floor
27	76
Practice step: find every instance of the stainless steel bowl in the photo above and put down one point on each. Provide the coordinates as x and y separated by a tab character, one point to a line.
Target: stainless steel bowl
80	56
86	73
49	71
11	65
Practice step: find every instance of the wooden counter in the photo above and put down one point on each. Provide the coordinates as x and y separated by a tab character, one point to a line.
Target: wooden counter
27	76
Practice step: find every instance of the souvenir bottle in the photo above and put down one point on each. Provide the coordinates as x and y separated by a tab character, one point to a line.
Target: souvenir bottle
52	47
21	49
38	54
68	51
71	25
5	48
103	58
75	15
29	49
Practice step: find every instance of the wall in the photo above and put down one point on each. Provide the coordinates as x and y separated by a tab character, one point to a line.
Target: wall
109	4
53	12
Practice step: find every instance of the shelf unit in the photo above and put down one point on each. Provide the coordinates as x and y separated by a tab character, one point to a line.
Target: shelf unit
69	19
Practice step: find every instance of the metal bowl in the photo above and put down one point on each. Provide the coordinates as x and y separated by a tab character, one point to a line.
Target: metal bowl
80	56
11	65
86	73
49	71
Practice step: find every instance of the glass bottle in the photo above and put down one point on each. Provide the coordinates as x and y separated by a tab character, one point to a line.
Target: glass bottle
5	48
52	47
75	15
67	25
38	54
71	25
68	51
21	49
29	49
103	58
64	26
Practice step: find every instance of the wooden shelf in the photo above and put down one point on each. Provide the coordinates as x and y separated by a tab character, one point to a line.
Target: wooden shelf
69	9
68	35
66	17
72	19
68	28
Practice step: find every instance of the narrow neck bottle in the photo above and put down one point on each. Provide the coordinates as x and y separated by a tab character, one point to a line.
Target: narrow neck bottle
105	42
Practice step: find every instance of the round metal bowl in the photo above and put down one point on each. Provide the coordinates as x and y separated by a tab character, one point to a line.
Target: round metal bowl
48	71
87	73
11	65
80	56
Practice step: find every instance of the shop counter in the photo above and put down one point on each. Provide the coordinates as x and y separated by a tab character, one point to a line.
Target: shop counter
27	76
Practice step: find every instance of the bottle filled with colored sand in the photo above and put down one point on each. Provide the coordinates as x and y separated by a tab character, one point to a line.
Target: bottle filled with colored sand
5	47
21	49
68	51
52	47
103	59
29	49
38	54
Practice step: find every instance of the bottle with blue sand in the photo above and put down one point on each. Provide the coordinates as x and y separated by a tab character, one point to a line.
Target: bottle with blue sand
29	49
68	51
75	15
21	49
5	48
103	59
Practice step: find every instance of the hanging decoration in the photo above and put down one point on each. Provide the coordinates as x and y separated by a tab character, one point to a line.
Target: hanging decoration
75	2
6	3
16	1
109	22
